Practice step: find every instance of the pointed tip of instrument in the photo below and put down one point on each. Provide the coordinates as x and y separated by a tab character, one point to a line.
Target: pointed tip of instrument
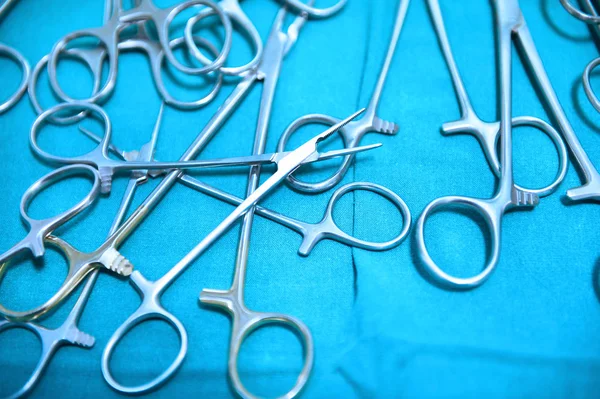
157	125
340	124
85	131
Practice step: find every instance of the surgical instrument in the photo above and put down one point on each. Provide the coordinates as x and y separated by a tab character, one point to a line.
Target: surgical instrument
508	22
107	255
353	132
312	233
107	167
488	133
150	292
68	333
108	35
40	229
590	17
25	70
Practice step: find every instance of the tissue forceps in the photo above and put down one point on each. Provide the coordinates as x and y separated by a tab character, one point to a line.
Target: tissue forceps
69	334
39	229
245	320
26	70
509	25
108	35
312	233
488	133
107	167
150	292
590	190
107	255
354	131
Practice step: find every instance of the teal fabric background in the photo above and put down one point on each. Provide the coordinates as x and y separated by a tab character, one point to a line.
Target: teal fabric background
380	328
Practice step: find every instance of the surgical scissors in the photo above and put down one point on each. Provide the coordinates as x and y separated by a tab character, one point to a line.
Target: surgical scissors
488	133
150	292
354	131
69	333
40	229
509	21
312	233
108	35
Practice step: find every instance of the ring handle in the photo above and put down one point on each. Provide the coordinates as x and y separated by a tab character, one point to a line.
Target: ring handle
328	228
150	309
80	265
39	229
484	208
48	348
163	36
170	100
109	31
235	14
587	86
561	149
91	158
254	320
26	70
92	58
316	12
580	15
324	185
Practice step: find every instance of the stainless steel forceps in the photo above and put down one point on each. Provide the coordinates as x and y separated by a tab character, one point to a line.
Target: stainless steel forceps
107	167
509	24
312	233
107	255
108	35
68	333
151	308
488	133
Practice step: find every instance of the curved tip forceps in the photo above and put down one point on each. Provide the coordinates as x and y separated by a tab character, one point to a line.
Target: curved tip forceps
354	131
509	24
107	167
